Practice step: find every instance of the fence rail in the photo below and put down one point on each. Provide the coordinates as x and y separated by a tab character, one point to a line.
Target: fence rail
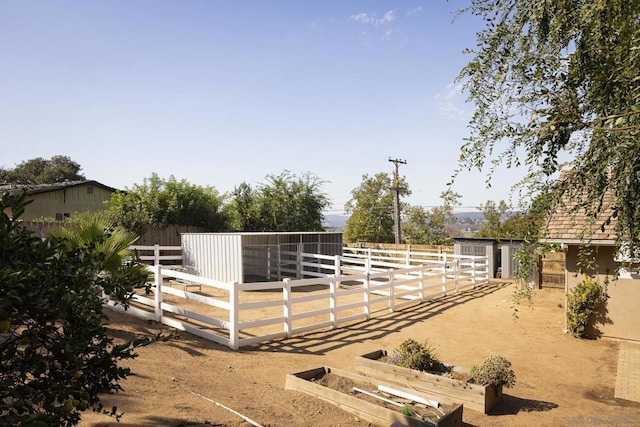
333	290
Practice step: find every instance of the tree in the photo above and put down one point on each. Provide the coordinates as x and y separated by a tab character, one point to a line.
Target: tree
159	202
429	227
97	229
284	203
42	171
492	213
55	356
559	80
371	209
245	209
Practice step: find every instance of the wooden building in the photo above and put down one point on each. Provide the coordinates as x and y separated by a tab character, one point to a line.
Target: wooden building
61	200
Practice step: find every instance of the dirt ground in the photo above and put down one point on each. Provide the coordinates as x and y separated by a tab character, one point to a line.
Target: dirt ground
560	380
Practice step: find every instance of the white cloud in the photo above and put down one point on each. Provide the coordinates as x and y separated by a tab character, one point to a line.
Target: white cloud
450	102
415	11
372	19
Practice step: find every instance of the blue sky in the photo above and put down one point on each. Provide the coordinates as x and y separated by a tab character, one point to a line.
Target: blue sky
224	92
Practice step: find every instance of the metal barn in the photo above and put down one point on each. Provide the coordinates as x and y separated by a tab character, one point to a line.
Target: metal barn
251	257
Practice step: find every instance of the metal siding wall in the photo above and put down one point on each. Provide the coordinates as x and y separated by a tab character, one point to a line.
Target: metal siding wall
215	256
231	257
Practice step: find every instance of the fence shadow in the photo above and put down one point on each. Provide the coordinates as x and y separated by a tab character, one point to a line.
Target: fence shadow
380	325
512	405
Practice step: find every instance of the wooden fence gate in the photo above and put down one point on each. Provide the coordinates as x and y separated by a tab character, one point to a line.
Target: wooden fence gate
552	270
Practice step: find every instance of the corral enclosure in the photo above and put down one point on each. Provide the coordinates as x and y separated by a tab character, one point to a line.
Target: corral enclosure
251	257
331	290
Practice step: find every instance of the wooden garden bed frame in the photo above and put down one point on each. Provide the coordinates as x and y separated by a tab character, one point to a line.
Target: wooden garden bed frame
448	390
371	412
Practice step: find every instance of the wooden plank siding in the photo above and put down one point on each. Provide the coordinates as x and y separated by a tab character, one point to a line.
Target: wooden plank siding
552	270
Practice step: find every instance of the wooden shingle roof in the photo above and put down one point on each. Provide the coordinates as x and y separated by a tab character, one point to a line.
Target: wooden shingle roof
572	225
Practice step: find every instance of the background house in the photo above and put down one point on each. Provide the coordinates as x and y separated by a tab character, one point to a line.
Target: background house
620	318
61	200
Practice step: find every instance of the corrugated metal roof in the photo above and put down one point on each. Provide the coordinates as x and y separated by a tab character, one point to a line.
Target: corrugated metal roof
45	188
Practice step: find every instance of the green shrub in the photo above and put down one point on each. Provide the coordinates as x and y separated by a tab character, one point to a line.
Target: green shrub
419	356
407	410
582	302
495	370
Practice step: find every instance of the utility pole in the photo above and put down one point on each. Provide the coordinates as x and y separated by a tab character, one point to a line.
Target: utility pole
396	196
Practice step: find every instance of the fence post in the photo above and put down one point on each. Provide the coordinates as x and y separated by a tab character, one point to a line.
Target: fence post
332	302
233	316
279	262
391	290
286	293
299	261
156	254
367	296
268	263
421	283
486	267
473	273
456	274
407	258
444	275
336	268
158	296
369	256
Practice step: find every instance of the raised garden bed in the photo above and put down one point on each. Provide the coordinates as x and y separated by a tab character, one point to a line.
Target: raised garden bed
444	389
337	387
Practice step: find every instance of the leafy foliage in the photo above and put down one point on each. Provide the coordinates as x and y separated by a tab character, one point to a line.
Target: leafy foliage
371	209
419	356
98	230
42	171
159	202
285	203
495	370
583	302
55	356
555	85
429	227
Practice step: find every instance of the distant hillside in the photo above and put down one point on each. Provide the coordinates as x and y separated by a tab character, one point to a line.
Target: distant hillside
469	216
335	222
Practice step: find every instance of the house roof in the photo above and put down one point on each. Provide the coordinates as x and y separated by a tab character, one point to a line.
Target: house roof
571	225
45	188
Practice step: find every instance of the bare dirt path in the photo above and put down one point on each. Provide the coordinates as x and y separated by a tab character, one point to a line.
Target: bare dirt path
560	380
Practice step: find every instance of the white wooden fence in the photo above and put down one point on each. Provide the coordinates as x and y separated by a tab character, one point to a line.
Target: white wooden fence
333	291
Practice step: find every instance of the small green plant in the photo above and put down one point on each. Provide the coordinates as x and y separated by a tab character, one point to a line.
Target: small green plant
582	302
419	356
407	410
495	370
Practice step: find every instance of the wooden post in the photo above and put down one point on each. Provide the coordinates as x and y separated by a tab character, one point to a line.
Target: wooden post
444	275
158	296
286	294
336	267
234	333
407	257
